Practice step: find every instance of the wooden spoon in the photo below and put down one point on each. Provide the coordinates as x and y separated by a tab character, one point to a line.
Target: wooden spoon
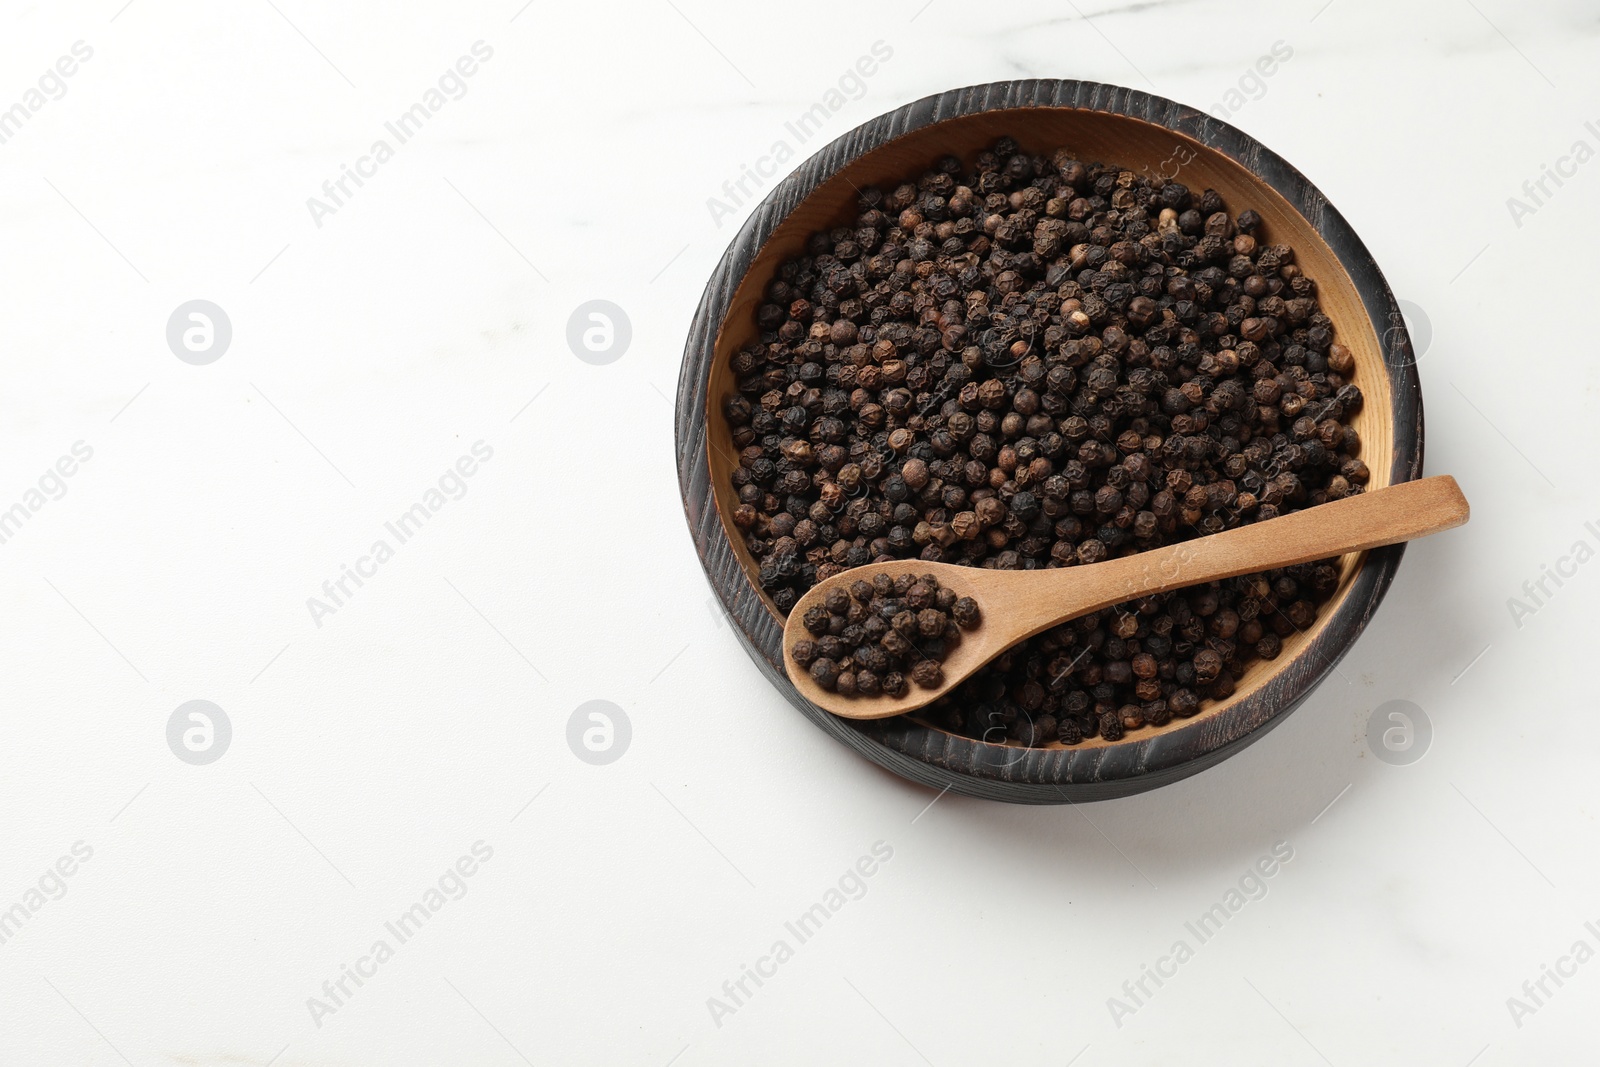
1015	605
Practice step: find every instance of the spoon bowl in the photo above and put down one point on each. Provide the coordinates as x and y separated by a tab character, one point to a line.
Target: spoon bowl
993	636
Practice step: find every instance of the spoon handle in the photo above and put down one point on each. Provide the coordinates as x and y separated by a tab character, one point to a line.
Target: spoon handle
1387	516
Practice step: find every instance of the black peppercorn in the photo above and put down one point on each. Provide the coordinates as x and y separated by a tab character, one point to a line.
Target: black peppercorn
1040	362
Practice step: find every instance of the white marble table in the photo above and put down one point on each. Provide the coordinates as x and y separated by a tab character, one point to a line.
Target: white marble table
398	372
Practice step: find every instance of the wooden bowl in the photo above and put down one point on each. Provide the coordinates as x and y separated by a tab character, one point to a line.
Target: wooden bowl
1099	123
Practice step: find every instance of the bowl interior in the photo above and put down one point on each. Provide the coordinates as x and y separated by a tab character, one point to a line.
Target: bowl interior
1092	136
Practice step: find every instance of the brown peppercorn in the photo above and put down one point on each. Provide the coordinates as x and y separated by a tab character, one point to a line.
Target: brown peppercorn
825	673
927	674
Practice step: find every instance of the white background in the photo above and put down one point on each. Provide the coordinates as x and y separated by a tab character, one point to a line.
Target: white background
430	312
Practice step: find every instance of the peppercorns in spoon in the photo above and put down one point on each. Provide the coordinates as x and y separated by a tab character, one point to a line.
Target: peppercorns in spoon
937	623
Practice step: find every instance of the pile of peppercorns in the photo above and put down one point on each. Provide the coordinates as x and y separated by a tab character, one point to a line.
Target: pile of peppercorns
870	638
1045	363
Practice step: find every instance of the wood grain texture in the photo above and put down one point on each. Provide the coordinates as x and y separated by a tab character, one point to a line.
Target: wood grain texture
1110	124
